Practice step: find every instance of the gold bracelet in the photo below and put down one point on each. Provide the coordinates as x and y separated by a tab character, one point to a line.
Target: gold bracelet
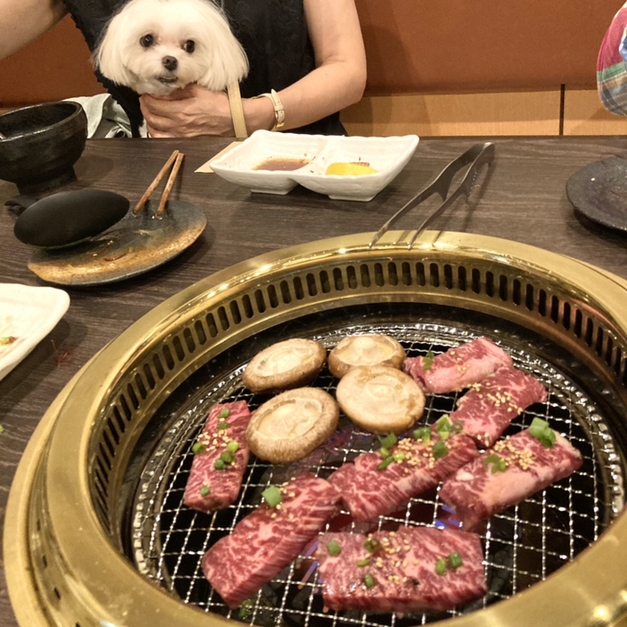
279	111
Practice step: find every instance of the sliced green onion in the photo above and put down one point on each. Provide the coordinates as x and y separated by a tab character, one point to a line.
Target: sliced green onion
422	433
427	360
458	426
537	426
223	425
8	339
385	453
198	448
364	562
369	581
455	560
372	545
1	429
498	464
540	430
385	463
389	440
399	456
334	548
224	413
246	609
227	457
204	491
272	496
219	465
443	427
233	446
439	450
440	566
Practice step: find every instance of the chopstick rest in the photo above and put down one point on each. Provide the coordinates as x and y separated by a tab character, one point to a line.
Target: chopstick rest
175	158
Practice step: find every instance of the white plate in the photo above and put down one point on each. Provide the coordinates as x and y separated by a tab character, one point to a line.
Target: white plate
387	155
28	314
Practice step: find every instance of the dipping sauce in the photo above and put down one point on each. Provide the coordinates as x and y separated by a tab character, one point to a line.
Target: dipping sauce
282	164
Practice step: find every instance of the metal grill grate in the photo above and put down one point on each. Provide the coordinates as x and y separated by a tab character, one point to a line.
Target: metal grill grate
508	292
522	546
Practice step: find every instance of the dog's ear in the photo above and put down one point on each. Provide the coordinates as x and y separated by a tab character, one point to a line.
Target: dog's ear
108	56
225	59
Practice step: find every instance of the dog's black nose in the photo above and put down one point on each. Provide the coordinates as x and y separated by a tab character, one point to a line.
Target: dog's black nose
170	63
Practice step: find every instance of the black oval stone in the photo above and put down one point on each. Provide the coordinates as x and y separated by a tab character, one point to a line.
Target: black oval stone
69	217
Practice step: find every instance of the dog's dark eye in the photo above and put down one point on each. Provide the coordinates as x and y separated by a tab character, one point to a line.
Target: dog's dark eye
146	41
189	46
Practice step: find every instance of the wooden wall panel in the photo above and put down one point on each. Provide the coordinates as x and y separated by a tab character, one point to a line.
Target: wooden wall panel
513	113
584	115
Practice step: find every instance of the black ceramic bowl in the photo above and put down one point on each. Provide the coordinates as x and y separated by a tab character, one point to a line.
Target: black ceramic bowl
41	145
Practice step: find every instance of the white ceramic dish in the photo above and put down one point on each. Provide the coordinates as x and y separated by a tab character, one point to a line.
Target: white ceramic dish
27	314
387	155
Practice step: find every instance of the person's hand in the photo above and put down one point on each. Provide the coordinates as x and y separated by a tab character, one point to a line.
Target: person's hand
187	112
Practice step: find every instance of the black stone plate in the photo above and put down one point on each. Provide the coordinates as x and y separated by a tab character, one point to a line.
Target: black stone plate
130	247
599	192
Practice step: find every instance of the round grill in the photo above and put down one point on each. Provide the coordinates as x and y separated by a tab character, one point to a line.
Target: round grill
95	527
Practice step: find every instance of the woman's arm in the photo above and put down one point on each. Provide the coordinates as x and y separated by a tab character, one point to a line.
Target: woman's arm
340	75
23	21
338	81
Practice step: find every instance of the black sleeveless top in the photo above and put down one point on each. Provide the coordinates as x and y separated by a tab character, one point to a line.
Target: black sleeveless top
272	32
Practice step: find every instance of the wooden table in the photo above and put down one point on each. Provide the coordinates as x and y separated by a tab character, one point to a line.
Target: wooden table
523	199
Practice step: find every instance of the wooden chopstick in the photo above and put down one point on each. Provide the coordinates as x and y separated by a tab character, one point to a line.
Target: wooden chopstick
169	184
151	188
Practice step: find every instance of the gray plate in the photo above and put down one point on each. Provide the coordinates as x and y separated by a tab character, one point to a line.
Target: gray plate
599	192
132	246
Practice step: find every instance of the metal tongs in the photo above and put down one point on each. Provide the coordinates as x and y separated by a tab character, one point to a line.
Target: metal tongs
475	156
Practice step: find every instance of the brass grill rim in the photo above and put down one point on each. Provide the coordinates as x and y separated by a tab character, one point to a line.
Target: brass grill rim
579	306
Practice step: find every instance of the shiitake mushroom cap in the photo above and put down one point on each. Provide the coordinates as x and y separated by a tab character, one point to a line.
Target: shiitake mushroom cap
365	350
380	399
292	424
285	365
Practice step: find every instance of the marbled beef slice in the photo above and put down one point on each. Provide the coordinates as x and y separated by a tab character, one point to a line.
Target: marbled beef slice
458	367
269	539
487	409
208	488
523	466
402	573
368	491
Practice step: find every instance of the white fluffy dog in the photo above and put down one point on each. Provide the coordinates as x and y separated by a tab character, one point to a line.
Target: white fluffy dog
156	46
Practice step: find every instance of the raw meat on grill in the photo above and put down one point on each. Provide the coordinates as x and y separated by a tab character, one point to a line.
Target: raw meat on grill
368	491
514	469
412	569
269	539
487	409
457	368
209	488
